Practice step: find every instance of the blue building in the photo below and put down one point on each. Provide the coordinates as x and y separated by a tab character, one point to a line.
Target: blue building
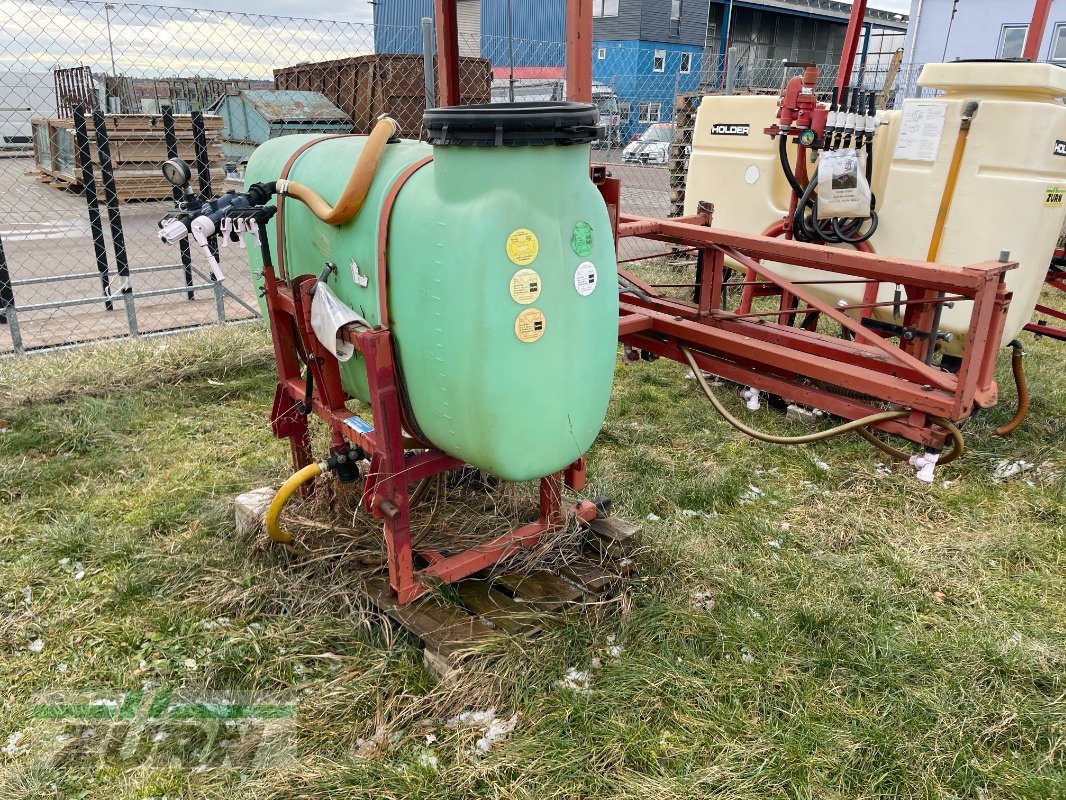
944	30
648	51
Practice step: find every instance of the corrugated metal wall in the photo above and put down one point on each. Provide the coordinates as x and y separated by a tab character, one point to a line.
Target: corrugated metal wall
468	17
538	26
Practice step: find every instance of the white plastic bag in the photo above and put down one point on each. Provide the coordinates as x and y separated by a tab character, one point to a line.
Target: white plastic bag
843	190
329	315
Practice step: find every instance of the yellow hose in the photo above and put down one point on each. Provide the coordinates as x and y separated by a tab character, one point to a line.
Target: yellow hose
952	181
354	194
773	439
958	443
287	490
858	425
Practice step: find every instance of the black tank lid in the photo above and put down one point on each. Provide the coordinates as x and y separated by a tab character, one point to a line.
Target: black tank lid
514	124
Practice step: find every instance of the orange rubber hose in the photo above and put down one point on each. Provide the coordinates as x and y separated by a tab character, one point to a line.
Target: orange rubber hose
354	194
1023	392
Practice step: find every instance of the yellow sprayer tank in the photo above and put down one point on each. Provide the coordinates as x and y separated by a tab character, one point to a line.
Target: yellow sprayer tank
1009	195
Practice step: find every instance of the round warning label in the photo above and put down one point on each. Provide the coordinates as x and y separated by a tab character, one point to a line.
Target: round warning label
581	241
529	326
525	286
585	278
522	246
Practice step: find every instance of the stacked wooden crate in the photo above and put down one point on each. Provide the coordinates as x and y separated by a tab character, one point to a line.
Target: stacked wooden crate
685	107
365	87
137	145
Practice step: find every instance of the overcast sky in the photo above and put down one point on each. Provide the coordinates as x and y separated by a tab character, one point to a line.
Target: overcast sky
38	36
361	11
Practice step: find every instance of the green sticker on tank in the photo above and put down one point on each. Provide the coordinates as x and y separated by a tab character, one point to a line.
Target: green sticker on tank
581	241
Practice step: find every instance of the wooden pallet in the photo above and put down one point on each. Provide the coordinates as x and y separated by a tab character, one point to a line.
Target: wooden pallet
511	604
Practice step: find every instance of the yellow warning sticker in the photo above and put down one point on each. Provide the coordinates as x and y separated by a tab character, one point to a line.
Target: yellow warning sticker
525	286
1054	196
529	326
522	246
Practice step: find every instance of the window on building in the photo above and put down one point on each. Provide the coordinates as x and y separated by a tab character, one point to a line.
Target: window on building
623	112
658	62
649	112
601	53
675	17
1012	41
1058	43
605	8
686	63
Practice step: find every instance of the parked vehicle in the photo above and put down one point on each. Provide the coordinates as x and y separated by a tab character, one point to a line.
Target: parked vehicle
652	146
544	89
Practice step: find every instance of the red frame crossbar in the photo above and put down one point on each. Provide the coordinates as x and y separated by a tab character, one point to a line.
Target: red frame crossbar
844	376
396	462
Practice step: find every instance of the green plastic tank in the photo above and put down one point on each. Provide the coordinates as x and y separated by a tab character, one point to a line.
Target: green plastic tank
496	253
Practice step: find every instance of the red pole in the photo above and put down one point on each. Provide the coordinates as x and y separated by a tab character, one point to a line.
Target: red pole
578	50
448	53
1035	36
851	44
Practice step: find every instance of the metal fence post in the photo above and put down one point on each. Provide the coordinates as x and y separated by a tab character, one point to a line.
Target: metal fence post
427	62
7	293
114	218
172	152
203	165
92	201
203	177
730	76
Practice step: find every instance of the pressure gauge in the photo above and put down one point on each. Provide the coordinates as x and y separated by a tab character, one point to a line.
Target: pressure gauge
808	138
177	172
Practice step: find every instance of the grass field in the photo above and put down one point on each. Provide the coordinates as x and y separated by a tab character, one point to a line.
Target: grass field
806	622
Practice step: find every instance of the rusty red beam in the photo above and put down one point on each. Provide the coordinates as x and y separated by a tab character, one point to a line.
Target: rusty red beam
579	51
932	375
851	44
799	341
447	27
1035	36
853	307
939	277
785	359
790	391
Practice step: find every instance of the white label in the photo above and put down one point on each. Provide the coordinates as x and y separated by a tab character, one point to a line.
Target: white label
585	278
920	131
751	174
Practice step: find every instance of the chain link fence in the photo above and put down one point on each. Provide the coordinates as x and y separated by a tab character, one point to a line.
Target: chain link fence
80	259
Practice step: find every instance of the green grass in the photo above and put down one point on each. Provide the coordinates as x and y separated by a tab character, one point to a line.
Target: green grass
869	637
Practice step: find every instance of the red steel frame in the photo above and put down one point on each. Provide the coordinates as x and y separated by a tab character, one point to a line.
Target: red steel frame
764	350
1056	279
1035	35
393	468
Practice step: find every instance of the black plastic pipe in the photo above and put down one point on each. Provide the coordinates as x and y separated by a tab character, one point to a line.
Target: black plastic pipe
7	293
114	215
172	152
88	182
203	167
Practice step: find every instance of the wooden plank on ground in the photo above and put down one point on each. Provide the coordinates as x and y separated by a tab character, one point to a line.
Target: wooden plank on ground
442	627
614	537
597	579
503	611
541	589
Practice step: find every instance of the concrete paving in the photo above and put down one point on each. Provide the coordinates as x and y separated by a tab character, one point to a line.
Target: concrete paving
46	235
